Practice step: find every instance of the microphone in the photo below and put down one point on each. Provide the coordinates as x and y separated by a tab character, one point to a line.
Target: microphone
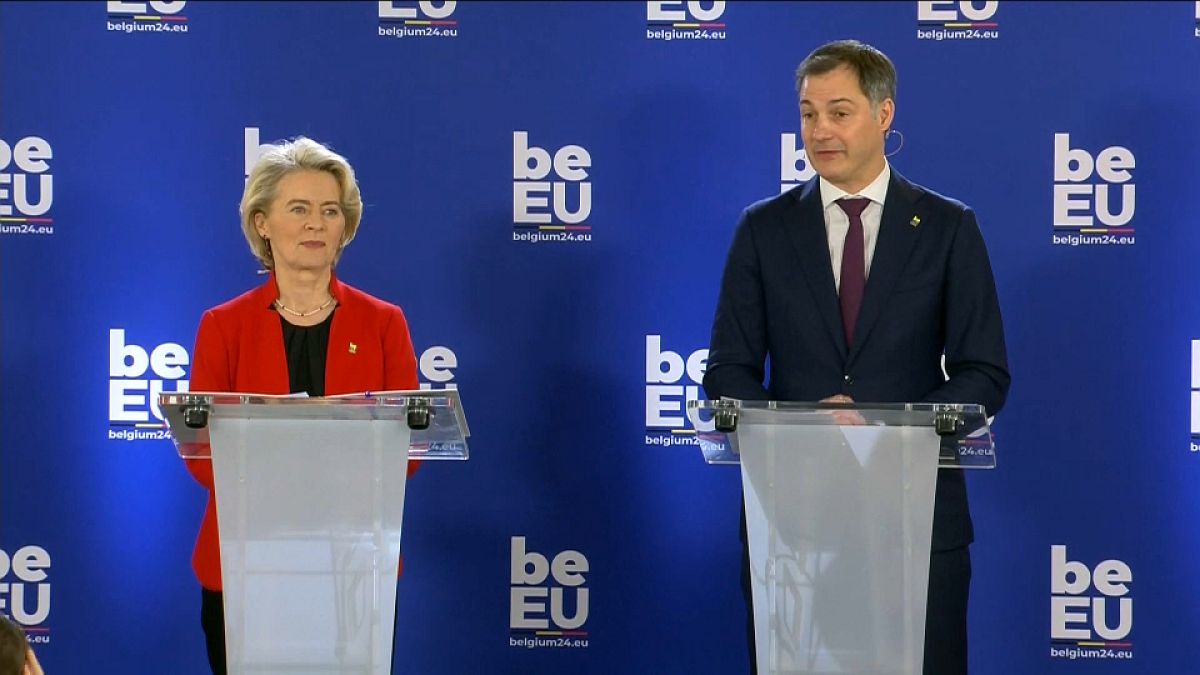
888	135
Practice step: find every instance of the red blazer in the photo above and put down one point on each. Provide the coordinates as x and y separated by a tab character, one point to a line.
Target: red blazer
239	348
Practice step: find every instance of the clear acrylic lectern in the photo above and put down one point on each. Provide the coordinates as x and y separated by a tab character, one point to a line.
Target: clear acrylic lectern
839	515
310	499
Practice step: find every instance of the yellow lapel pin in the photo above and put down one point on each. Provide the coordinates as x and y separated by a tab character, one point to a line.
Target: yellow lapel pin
353	348
916	220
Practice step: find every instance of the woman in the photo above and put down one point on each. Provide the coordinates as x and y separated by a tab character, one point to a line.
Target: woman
301	331
16	656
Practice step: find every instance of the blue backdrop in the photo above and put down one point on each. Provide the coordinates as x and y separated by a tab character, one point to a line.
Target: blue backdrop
125	129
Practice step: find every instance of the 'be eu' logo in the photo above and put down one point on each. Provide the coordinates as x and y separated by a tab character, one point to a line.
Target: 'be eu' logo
140	8
696	11
137	376
431	10
1079	598
24	589
666	396
531	576
1077	197
971	11
531	165
793	163
19	163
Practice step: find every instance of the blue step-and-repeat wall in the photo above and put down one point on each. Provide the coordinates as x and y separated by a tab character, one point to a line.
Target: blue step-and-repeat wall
550	192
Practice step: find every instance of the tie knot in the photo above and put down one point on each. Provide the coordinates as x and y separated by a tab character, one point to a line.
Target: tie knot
853	206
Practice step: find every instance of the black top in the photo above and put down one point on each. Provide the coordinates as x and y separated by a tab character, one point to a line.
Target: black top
306	348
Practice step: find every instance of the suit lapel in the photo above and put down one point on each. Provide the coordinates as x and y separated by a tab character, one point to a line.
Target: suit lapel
807	230
895	243
267	370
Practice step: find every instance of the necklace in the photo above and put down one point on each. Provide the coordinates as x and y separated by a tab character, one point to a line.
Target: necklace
289	310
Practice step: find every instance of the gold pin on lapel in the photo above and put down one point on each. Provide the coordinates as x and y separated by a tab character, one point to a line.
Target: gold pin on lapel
916	220
353	348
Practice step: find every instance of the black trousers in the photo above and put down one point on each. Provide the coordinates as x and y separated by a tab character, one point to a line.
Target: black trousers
945	618
212	620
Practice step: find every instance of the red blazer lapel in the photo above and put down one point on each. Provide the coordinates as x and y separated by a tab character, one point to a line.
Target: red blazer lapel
353	362
265	368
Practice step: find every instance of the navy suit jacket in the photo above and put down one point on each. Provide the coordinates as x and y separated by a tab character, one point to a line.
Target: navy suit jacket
929	291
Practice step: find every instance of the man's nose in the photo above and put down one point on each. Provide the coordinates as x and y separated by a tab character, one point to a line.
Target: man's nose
819	128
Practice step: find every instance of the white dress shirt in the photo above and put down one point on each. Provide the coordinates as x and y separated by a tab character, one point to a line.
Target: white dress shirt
837	223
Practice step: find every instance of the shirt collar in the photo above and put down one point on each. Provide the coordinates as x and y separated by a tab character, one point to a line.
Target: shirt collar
876	191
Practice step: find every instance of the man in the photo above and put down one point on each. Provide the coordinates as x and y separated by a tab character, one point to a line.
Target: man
855	284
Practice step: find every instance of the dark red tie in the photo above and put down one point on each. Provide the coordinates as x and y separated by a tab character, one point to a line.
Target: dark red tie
854	276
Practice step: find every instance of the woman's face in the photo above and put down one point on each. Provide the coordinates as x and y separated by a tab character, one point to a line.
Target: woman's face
305	222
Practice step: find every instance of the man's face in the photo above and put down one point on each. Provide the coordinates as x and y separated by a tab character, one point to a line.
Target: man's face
843	137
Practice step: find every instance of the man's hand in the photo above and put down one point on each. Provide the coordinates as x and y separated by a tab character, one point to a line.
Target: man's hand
844	418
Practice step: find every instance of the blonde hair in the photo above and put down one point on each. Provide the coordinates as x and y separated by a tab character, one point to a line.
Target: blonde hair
279	160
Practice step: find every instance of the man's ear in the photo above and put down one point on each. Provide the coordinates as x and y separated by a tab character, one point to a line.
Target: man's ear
887	113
